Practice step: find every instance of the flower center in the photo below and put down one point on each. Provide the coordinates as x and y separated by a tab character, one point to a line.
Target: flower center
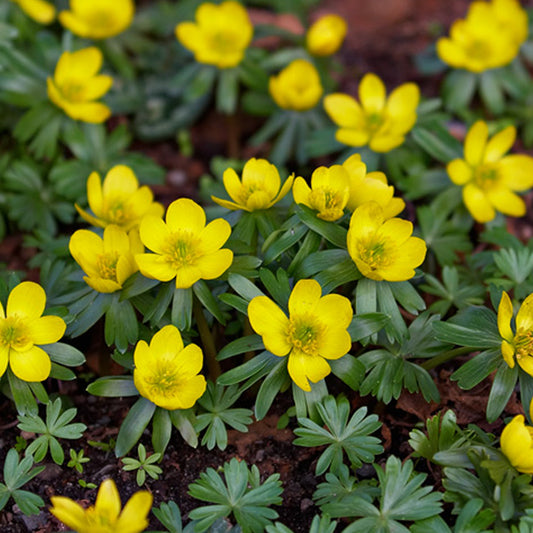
374	121
304	333
182	249
73	91
106	265
375	253
329	203
486	176
523	342
224	42
117	212
478	50
164	381
101	18
99	521
14	333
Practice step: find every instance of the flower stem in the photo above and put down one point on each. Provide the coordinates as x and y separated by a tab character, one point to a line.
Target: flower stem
445	357
210	351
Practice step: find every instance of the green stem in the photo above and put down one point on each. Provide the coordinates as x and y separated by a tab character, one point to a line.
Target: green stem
445	357
213	366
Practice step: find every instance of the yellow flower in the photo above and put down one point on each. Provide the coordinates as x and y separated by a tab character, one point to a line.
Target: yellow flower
119	200
41	11
259	189
185	248
314	331
22	328
516	442
383	249
98	19
378	121
370	187
519	345
108	262
76	85
220	34
166	373
297	86
489	37
489	178
328	194
105	516
326	35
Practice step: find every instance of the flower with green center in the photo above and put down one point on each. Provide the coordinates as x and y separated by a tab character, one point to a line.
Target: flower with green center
76	85
490	36
166	372
98	19
371	187
383	249
516	442
297	86
490	178
376	121
105	516
326	35
314	331
220	35
328	194
108	262
259	188
184	247
41	11
22	328
517	345
119	200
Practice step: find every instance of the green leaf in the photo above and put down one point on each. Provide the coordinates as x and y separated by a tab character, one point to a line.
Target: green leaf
133	425
208	300
113	387
250	343
349	369
332	232
458	89
161	430
64	354
227	90
438	143
121	327
491	91
272	384
181	420
365	324
22	394
475	370
501	390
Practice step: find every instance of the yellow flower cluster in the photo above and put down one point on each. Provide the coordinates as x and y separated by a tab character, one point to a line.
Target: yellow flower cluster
489	37
326	35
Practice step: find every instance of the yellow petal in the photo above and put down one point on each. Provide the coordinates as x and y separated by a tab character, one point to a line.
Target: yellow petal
477	203
269	321
185	214
91	112
214	235
524	317
212	266
334	310
102	285
154	233
133	517
187	276
47	329
397	230
508	353
352	137
167	342
506	201
108	500
385	142
4	358
155	267
233	184
475	143
460	171
27	299
304	297
69	512
516	171
505	315
301	191
500	144
94	193
39	10
372	93
303	367
402	103
526	364
120	182
344	110
32	365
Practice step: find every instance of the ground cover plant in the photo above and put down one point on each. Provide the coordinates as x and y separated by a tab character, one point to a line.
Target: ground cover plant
328	329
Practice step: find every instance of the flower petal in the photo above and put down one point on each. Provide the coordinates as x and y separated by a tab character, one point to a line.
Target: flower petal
475	143
69	512
133	517
155	267
213	236
167	342
344	110
269	321
372	93
212	266
47	329
524	317
154	234
477	203
184	213
27	299
500	144
302	367
304	297
32	365
108	500
460	171
505	315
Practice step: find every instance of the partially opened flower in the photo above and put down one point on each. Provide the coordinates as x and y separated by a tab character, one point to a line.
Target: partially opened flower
258	189
220	34
326	35
517	345
184	247
489	37
119	200
41	11
370	187
166	372
376	121
76	85
108	261
328	194
314	331
22	329
489	177
297	86
383	249
98	19
105	516
516	442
